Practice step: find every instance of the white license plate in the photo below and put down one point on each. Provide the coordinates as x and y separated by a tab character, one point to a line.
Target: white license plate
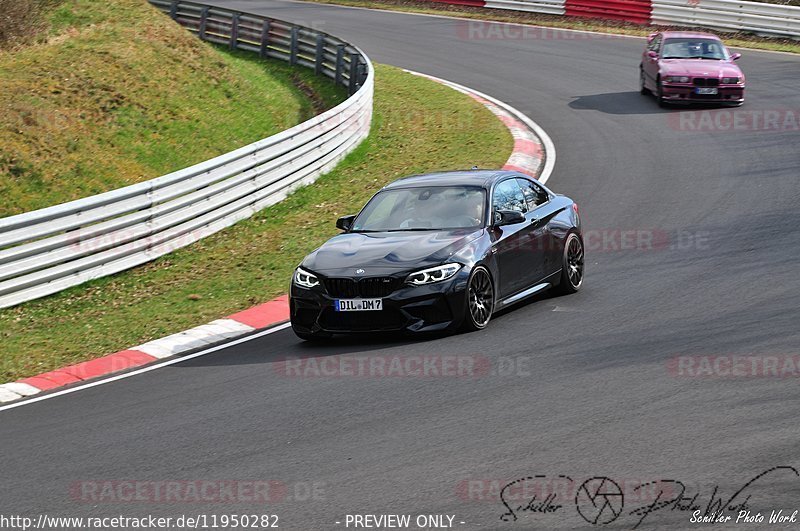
358	305
707	90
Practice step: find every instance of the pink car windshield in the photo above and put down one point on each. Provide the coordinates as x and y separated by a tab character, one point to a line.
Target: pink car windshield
694	49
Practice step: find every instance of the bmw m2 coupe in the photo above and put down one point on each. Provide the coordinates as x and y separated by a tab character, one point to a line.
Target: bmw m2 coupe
690	67
439	252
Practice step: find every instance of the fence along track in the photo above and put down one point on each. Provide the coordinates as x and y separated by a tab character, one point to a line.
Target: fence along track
48	250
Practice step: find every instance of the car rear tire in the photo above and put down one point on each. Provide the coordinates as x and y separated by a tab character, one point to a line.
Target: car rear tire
572	267
480	300
643	90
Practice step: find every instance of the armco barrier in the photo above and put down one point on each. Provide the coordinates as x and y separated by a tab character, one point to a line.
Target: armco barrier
550	7
725	15
45	251
730	15
473	3
637	11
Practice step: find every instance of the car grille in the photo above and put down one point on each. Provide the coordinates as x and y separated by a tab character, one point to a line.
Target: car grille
369	287
386	319
706	82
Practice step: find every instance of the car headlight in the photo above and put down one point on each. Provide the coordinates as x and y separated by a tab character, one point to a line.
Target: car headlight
730	80
677	79
305	279
433	274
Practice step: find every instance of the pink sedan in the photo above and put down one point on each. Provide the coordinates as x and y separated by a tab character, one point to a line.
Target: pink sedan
689	67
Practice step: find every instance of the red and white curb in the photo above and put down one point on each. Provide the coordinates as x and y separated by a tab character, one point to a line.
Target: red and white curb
534	154
236	325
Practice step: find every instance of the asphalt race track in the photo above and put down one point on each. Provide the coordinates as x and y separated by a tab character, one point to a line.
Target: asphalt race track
580	386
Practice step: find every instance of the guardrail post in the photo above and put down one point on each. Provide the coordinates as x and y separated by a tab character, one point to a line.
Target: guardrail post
293	46
362	73
235	30
353	72
264	49
201	32
339	63
173	10
320	58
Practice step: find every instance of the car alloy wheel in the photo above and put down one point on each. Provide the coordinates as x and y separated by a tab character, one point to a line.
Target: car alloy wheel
480	299
572	269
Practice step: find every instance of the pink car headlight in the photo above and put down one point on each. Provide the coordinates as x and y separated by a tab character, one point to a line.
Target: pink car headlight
677	79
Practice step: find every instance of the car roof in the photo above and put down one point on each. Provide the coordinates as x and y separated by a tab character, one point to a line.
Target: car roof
482	178
689	35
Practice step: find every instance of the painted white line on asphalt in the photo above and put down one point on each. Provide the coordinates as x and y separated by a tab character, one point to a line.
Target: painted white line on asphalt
547	142
147	368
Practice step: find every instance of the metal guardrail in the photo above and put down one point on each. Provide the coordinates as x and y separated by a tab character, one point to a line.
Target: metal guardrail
550	7
48	250
636	11
730	15
771	20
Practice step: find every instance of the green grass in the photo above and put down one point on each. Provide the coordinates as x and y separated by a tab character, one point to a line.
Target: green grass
741	39
418	126
117	93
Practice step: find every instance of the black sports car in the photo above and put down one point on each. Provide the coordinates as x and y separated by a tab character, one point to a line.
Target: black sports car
439	252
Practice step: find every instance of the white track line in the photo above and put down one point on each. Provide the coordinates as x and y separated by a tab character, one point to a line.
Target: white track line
547	142
148	368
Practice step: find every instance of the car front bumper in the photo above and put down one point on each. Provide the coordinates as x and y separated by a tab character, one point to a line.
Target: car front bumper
688	94
434	307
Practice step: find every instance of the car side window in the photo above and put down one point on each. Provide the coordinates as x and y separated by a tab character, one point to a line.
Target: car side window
508	196
534	194
655	44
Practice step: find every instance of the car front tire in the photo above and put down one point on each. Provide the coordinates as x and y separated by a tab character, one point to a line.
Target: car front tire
480	300
660	93
643	90
572	267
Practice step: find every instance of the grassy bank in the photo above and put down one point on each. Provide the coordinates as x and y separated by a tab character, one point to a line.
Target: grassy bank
418	126
744	40
114	93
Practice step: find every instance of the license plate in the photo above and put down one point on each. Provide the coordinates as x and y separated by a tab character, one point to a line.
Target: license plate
707	90
358	305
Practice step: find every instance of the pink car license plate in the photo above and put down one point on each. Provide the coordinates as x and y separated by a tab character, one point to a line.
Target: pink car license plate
707	90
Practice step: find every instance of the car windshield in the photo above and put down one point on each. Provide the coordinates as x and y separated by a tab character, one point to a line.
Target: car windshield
423	208
694	49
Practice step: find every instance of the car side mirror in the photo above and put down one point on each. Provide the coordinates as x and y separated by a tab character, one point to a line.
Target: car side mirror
508	217
345	222
651	37
735	56
652	55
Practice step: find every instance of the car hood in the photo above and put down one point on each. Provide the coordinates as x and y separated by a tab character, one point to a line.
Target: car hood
699	68
383	253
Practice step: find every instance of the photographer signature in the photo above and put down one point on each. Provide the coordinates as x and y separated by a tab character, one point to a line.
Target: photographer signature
600	500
